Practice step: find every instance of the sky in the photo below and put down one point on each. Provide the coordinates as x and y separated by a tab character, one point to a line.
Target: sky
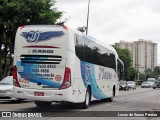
113	20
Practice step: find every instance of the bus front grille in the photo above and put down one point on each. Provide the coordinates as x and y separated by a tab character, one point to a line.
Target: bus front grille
41	59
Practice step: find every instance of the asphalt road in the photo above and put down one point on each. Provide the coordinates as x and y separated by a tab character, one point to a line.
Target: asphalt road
136	103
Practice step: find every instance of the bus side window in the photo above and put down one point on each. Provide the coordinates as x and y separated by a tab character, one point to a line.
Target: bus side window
89	51
79	47
120	69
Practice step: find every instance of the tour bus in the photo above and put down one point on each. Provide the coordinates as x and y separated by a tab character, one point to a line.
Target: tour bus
57	64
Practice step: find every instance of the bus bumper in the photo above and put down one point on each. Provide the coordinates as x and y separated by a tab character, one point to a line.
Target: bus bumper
45	95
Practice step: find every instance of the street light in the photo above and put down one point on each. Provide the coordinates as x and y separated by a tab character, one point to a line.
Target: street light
87	17
138	76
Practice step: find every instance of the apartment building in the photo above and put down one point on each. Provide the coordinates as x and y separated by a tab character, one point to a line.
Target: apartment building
143	53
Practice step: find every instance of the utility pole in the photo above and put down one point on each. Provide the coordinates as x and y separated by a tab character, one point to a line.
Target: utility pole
138	76
87	17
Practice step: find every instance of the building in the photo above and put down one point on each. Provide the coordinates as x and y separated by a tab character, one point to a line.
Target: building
143	53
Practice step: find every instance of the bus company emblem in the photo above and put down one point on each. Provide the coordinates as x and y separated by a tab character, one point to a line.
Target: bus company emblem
31	36
37	36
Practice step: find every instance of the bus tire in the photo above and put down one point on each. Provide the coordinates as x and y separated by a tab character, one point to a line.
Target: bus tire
87	99
113	94
42	103
104	100
20	100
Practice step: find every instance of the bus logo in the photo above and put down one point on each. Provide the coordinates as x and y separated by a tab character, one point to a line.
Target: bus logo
37	36
34	36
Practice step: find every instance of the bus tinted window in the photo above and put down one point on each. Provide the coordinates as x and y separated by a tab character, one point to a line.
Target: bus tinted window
89	51
120	69
79	41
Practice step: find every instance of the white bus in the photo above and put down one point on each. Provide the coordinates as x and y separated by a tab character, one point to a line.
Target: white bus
56	64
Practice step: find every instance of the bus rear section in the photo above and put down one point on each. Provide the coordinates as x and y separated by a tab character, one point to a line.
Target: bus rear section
40	64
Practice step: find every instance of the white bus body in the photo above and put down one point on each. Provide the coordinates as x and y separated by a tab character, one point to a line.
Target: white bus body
53	63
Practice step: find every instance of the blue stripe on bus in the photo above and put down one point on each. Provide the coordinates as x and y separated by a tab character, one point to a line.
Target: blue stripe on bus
32	76
88	76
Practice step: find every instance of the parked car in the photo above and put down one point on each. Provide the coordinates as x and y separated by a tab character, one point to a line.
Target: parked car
151	81
156	84
123	85
6	89
145	84
131	84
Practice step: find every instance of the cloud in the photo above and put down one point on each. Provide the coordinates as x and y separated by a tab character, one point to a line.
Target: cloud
154	5
114	20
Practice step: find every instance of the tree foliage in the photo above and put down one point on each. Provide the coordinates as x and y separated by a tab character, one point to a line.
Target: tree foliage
125	56
82	29
134	74
149	73
15	13
157	72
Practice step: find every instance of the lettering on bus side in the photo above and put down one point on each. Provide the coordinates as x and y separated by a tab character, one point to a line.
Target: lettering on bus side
45	86
88	73
104	74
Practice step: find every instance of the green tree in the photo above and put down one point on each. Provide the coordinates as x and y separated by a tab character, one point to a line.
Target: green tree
157	72
82	29
133	74
149	73
125	56
15	13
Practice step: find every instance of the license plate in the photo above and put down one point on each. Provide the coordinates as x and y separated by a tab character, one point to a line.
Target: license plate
38	93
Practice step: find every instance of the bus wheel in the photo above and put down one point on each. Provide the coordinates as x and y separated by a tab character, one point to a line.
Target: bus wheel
19	100
87	99
42	103
113	94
